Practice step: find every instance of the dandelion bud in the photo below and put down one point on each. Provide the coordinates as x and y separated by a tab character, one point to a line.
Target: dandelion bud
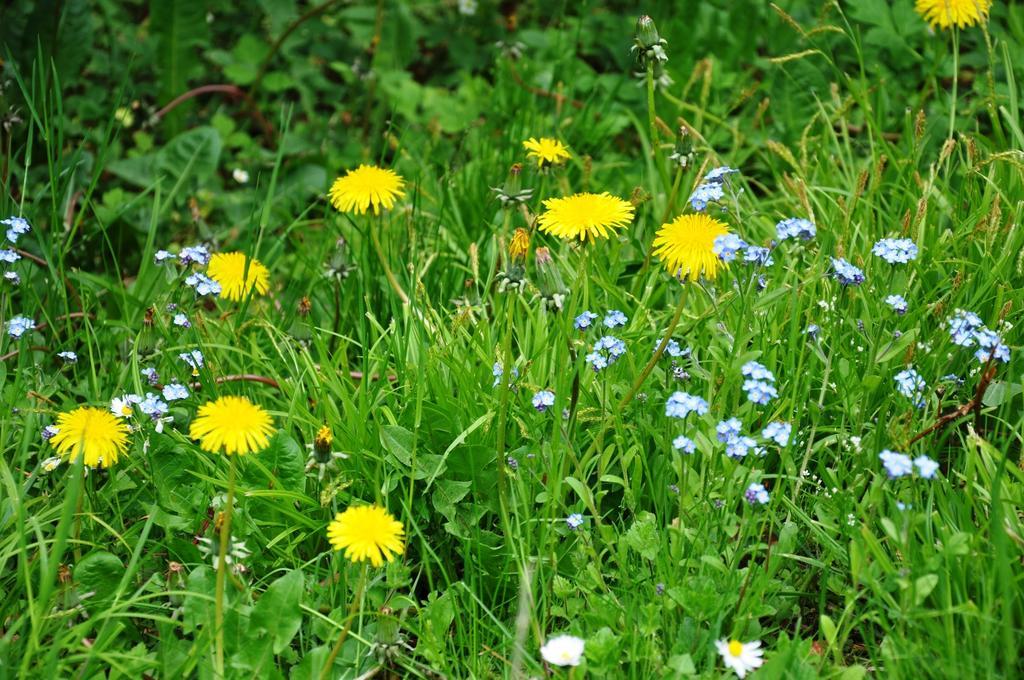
512	192
520	245
322	444
646	33
549	280
648	45
682	154
339	265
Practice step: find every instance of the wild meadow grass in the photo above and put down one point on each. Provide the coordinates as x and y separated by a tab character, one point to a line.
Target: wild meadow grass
372	396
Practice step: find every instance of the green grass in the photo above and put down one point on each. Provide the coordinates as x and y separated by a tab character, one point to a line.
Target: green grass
859	119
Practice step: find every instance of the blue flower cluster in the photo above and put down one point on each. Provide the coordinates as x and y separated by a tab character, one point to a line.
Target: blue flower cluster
19	325
756	494
898	465
967	330
682	404
606	351
777	431
759	384
712	189
737	444
898	304
16	227
739	447
497	371
895	250
615	318
543	400
758	255
795	227
584	321
673	349
910	384
706	193
727	246
202	284
845	273
684	444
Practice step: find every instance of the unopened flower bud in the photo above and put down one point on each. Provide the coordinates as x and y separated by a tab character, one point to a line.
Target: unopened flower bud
512	192
647	44
646	33
549	280
520	245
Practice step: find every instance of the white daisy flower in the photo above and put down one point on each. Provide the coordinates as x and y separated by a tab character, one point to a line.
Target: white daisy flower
563	650
742	657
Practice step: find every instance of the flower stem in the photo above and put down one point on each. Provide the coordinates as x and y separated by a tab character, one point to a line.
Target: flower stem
506	381
326	670
638	383
225	542
652	130
956	80
397	287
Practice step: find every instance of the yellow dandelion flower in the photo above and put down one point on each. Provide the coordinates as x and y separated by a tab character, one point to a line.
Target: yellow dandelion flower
686	246
547	151
228	269
520	244
93	432
367	532
949	13
585	215
232	425
323	440
365	186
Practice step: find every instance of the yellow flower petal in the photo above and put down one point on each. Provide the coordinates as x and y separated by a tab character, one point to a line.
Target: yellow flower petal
232	425
585	216
686	246
93	432
367	533
364	187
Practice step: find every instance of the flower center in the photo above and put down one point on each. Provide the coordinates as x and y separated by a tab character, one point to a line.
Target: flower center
735	648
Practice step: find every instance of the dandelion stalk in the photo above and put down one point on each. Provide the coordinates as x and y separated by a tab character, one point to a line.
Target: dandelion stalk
352	612
225	541
506	379
638	383
956	80
397	287
652	130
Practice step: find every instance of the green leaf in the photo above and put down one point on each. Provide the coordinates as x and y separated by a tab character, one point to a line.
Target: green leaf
98	575
602	649
199	601
399	442
447	493
923	587
643	536
278	612
828	629
279	466
999	392
180	28
682	664
191	155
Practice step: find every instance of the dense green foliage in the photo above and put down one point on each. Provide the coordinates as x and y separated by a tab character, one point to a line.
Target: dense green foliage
856	116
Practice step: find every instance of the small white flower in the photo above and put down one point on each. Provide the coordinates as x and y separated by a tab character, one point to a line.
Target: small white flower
741	657
122	407
51	464
240	176
563	650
